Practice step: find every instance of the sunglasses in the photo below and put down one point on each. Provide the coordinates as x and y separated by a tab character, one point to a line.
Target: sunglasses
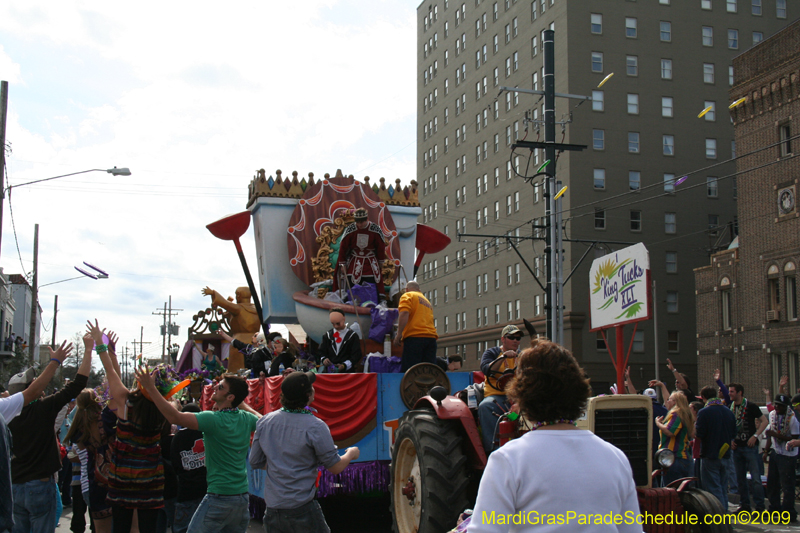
515	338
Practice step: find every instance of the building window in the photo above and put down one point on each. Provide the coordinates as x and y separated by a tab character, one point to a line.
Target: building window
711	148
666	31
630	27
632	65
599	218
712	187
711	116
672	262
791	290
638	341
731	6
634	180
599	178
598	101
633	142
713	225
599	139
537	305
670	223
727	315
785	137
666	107
673	345
672	301
509	311
666	69
597	23
733	39
756	7
705	4
757	37
516	201
708	72
517	309
668	142
600	342
597	61
636	221
708	36
534	45
669	182
780	9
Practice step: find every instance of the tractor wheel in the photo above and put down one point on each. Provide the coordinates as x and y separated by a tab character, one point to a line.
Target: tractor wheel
702	503
429	474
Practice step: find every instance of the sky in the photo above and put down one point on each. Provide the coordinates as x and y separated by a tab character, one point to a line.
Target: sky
194	99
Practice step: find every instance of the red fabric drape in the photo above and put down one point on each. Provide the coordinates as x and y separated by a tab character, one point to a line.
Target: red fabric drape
345	402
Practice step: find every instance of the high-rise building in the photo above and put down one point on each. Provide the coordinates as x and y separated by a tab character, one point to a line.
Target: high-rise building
671	60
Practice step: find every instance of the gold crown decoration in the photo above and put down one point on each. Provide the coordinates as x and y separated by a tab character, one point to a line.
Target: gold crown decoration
280	187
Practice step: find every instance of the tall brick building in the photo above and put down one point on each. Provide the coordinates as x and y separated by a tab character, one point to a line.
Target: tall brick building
747	297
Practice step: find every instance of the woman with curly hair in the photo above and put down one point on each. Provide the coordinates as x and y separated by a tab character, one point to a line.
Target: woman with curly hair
677	429
556	469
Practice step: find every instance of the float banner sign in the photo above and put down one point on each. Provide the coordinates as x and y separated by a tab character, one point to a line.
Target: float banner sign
619	288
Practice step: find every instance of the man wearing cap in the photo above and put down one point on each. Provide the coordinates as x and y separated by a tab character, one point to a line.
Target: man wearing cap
226	435
750	423
783	427
289	444
716	428
36	456
415	328
496	359
361	253
340	346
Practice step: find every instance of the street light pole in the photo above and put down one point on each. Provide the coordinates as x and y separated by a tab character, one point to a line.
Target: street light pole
34	293
113	171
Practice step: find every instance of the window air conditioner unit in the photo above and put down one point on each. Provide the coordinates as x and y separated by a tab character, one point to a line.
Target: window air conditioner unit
773	315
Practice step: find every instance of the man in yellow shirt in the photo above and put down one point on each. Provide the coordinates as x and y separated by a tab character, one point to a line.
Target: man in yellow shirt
415	328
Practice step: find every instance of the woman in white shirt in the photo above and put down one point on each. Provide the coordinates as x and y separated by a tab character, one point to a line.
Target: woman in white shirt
556	477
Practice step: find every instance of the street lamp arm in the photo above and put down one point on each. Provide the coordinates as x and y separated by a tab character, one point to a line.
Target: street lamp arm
113	171
61	281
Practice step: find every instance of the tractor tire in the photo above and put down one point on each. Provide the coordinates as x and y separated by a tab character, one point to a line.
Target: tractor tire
429	477
702	503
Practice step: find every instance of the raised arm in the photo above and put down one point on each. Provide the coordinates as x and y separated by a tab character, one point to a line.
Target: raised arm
218	301
173	416
661	386
34	391
678	376
722	387
112	351
629	382
119	392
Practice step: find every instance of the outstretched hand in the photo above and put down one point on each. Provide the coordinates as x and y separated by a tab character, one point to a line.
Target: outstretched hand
145	378
670	365
716	374
62	351
112	341
88	341
208	291
95	331
654	383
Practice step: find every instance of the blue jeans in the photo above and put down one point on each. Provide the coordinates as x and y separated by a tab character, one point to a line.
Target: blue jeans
222	513
746	459
184	511
307	518
781	479
680	469
489	412
34	506
714	476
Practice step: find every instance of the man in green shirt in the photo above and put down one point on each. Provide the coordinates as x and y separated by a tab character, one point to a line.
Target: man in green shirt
226	434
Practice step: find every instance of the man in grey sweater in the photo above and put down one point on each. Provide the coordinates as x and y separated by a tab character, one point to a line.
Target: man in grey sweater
289	444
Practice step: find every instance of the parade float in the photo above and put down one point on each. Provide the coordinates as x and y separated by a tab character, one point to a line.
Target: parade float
298	227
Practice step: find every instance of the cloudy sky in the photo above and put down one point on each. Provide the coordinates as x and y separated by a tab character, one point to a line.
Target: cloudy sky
193	98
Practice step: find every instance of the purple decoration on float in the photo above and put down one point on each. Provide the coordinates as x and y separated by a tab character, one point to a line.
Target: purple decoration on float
681	180
357	478
101	272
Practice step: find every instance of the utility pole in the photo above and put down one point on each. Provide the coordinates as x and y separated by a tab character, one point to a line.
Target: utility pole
34	292
551	302
3	114
166	328
55	315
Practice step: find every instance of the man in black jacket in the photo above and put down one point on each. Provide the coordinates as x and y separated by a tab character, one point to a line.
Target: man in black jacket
36	455
340	346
